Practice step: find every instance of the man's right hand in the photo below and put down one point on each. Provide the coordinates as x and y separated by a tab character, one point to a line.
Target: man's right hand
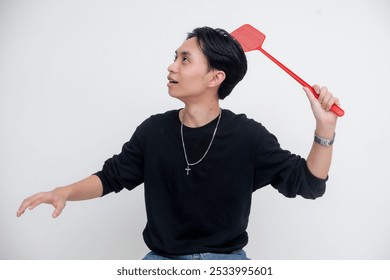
52	197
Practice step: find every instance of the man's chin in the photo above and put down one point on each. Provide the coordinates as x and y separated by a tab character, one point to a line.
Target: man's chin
175	94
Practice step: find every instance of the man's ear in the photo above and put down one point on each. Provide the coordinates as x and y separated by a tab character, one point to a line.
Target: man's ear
217	78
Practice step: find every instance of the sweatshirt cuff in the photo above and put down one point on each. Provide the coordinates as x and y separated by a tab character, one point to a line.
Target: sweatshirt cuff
317	185
103	179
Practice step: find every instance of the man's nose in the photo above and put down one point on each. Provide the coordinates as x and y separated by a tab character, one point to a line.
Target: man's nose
172	67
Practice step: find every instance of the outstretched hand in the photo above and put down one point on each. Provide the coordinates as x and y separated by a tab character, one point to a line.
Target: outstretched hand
51	197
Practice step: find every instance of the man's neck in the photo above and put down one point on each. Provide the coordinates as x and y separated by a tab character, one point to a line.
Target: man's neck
197	115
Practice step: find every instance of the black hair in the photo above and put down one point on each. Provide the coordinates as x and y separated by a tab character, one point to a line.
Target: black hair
224	53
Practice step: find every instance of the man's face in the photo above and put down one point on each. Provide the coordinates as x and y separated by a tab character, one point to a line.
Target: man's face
189	74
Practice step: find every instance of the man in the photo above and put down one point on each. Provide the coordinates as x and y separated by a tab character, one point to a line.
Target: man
201	164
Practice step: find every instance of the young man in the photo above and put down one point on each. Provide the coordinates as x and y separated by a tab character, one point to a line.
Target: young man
201	164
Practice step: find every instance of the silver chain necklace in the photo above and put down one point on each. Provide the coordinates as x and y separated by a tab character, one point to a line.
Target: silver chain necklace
188	169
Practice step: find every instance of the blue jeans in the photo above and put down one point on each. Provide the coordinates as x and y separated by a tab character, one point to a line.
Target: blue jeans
235	255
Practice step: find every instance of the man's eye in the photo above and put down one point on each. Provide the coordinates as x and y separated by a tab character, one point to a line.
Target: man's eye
185	59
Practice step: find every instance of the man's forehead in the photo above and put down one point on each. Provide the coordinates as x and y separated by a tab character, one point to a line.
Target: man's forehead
189	47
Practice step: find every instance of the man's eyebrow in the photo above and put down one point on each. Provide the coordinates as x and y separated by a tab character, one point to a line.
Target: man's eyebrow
183	53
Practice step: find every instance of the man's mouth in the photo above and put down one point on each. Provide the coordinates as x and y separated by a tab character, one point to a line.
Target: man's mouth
172	81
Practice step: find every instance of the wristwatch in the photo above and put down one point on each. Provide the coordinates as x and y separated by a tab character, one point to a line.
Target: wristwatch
323	141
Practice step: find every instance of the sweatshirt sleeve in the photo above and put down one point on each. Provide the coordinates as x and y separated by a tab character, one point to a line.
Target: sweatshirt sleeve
124	170
286	172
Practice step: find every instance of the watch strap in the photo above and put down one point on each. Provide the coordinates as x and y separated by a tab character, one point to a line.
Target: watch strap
323	141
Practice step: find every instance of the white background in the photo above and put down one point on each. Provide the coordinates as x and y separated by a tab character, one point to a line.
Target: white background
77	77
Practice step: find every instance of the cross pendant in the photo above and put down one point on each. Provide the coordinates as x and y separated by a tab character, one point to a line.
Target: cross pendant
188	170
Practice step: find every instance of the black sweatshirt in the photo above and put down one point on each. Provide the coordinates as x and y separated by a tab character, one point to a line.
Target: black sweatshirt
207	210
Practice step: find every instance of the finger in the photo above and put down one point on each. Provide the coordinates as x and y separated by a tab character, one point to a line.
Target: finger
20	212
58	210
310	95
30	203
56	213
331	102
323	91
316	88
35	203
327	101
26	203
